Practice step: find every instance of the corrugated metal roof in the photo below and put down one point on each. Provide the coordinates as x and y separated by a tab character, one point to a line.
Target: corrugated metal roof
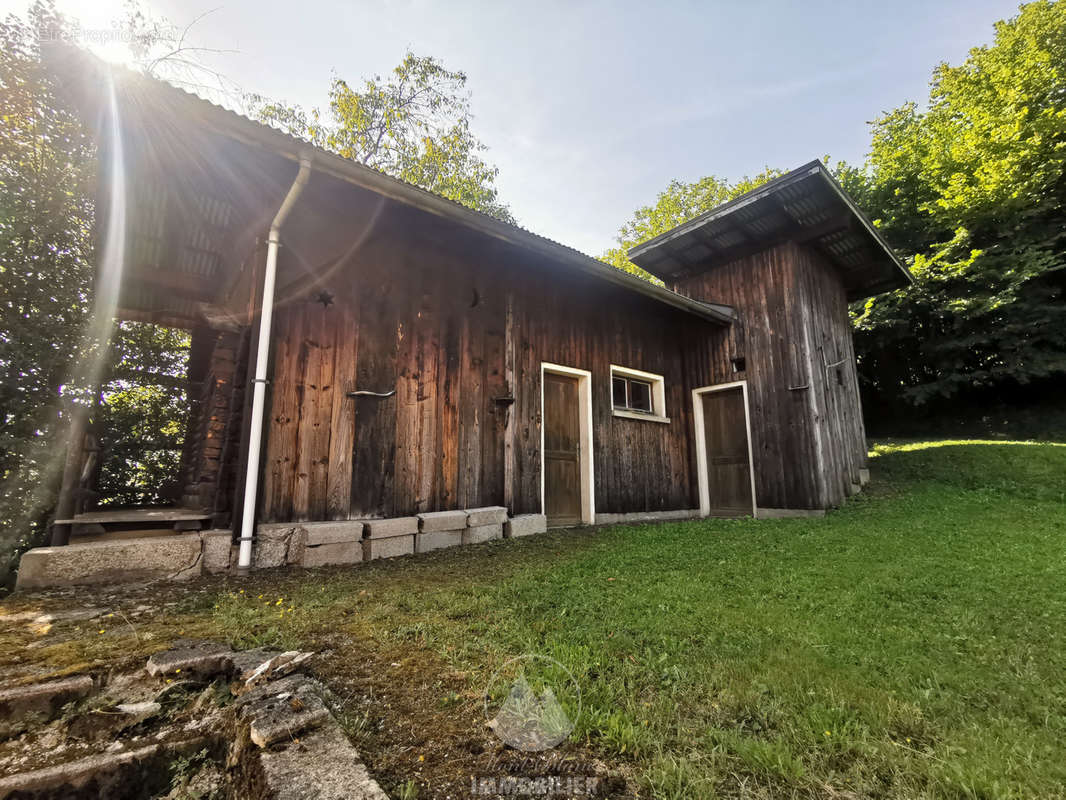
806	205
79	67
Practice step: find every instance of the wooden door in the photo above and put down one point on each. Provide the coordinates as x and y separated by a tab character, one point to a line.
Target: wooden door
562	450
725	433
374	424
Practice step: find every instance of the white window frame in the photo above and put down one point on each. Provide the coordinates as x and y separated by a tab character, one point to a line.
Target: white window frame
584	404
658	395
701	444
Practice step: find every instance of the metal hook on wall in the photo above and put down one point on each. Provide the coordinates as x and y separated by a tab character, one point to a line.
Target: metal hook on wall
371	394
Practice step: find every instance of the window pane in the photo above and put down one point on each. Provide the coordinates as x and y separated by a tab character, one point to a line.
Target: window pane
618	387
640	396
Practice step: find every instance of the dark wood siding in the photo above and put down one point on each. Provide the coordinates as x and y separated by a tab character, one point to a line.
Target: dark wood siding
807	437
459	325
838	424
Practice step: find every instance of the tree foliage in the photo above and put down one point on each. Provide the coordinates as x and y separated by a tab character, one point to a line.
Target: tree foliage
46	213
972	191
413	125
142	416
47	191
677	203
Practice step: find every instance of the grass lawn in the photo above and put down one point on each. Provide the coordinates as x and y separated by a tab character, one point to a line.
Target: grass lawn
909	645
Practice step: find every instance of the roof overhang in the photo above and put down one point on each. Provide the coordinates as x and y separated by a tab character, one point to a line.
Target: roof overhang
88	76
806	205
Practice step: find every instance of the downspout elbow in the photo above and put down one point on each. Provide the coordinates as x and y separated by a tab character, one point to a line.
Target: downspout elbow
290	199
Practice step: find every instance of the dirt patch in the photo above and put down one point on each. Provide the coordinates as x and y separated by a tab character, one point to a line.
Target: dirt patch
418	723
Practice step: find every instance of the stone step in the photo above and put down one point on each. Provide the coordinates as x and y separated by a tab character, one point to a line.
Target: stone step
39	702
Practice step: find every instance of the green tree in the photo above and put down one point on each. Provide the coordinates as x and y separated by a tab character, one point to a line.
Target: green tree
972	191
677	203
47	355
46	175
142	416
413	125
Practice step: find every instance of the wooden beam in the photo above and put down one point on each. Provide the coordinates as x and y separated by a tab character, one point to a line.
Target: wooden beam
79	419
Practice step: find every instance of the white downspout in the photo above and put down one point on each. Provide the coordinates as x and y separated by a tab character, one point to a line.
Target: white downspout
262	357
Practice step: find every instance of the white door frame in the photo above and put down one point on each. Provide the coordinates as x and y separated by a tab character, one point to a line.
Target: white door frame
701	443
584	404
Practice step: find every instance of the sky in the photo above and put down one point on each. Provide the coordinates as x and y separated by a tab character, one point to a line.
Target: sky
590	109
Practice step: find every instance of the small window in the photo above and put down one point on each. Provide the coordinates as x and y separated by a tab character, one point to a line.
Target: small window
739	364
638	394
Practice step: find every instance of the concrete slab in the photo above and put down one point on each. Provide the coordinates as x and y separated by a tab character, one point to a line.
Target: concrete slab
176	557
489	515
789	513
283	716
323	765
398	526
389	547
647	516
435	540
442	521
348	530
350	552
525	525
482	533
193	659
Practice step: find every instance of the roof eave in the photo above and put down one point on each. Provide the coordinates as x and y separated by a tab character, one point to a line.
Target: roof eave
364	177
635	254
234	126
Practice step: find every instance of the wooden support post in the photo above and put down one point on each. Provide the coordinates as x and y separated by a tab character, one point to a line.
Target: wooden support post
71	473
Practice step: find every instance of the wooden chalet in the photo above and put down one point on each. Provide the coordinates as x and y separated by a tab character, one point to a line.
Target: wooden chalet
421	356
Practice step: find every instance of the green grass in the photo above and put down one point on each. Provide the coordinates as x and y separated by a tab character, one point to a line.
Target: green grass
909	645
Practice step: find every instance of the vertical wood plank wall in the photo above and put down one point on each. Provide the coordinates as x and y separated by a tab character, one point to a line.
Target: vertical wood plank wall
838	424
459	327
808	442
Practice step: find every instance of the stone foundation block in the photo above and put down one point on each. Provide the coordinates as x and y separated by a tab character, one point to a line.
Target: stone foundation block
435	540
525	525
442	521
383	528
389	547
333	532
489	515
175	557
332	553
482	533
217	546
272	545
